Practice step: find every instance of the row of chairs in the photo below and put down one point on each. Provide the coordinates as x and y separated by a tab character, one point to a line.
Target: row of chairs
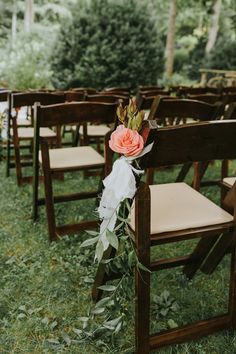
176	110
190	215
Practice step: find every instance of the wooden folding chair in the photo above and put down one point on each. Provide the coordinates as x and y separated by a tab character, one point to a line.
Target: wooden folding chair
25	132
227	181
125	91
207	98
174	212
177	111
91	133
145	98
66	159
184	91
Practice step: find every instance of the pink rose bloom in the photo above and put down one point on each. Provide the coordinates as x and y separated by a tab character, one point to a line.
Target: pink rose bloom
126	141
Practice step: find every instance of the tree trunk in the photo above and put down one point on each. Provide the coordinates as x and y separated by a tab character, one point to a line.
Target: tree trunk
170	41
13	25
214	27
29	15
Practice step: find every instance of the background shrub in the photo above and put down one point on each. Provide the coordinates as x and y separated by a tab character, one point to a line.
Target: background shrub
108	44
26	65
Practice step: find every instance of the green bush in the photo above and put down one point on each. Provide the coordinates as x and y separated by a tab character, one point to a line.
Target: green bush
25	64
223	55
110	43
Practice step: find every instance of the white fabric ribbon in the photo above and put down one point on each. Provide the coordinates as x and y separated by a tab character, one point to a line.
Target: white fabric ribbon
119	185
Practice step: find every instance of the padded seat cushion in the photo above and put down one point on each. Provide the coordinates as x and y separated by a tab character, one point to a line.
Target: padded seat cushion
177	206
81	156
95	130
28	133
229	180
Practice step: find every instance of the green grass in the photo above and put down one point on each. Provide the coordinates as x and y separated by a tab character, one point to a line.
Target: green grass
45	288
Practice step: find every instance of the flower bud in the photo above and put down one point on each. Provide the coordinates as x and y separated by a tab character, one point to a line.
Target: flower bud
121	113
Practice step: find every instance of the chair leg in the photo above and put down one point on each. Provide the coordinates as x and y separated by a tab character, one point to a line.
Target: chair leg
142	311
142	277
217	253
198	256
50	206
49	202
224	173
150	175
183	172
17	152
8	152
232	290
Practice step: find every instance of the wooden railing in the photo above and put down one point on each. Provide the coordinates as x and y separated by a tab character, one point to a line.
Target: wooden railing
218	78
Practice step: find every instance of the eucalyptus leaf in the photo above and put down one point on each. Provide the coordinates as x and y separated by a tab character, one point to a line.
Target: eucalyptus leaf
103	302
112	323
107	287
99	251
91	232
77	331
98	310
83	319
112	239
141	266
89	242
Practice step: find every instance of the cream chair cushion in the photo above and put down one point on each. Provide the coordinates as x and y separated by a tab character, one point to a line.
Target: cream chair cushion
81	156
95	130
177	206
28	133
229	180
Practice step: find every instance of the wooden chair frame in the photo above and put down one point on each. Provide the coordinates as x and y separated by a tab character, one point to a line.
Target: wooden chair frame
179	110
16	101
174	145
164	152
64	114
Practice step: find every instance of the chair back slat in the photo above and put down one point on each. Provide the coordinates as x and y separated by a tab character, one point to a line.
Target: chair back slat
75	96
79	112
4	95
191	142
207	98
107	98
29	98
182	108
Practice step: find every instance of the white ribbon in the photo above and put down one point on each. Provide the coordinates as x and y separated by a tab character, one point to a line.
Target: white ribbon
119	185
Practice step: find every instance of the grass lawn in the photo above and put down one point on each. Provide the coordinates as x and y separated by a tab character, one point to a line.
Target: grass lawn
45	288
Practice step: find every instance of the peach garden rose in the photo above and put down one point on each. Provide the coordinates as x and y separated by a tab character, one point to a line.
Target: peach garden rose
126	141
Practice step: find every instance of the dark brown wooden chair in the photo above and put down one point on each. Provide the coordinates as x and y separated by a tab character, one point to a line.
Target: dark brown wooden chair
125	91
145	100
228	98
25	130
66	159
177	111
207	98
95	133
184	91
225	182
84	90
163	215
150	88
228	89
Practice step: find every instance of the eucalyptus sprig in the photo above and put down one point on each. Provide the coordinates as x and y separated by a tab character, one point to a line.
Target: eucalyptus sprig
130	116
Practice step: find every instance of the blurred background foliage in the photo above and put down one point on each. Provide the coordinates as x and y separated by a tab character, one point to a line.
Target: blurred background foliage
101	43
